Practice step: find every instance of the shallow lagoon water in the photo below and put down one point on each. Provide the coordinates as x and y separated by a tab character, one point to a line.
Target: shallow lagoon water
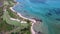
46	10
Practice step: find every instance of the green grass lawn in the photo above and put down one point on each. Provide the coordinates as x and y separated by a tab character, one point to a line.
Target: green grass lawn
15	23
7	18
11	22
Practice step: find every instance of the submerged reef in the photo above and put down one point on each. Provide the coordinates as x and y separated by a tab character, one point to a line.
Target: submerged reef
57	19
53	11
38	1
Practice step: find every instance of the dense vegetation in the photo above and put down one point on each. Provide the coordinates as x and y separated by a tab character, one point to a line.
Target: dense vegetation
5	27
5	22
25	31
1	11
12	14
15	23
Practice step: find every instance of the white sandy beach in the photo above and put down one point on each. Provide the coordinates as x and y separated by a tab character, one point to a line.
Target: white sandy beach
32	20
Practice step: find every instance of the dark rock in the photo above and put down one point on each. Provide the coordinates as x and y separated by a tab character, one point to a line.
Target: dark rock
56	10
39	32
57	19
37	19
48	14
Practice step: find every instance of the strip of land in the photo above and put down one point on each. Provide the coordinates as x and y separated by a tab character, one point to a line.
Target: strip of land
16	21
32	20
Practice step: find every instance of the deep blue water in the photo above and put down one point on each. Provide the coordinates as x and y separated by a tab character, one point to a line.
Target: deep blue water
46	10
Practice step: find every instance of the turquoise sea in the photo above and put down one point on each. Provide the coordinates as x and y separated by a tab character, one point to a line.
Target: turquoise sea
46	10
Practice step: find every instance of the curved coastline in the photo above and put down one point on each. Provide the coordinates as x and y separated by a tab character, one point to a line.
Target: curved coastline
32	20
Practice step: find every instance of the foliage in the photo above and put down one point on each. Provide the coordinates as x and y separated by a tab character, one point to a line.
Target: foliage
11	13
5	27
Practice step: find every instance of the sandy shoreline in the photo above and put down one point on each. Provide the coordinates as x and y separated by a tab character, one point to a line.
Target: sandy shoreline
32	20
